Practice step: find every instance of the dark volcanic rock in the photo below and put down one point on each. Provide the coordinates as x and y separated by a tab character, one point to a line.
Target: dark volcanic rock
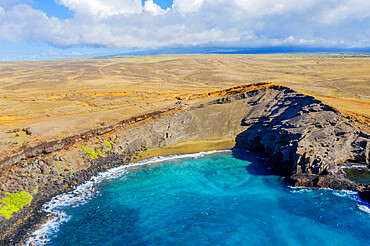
364	194
305	139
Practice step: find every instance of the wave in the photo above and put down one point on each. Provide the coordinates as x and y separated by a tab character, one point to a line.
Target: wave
347	194
364	208
86	191
299	189
353	195
355	167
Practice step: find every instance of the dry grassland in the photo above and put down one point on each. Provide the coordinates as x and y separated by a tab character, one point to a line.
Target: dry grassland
62	97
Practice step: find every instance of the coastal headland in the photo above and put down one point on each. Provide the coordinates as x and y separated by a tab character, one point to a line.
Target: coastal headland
63	121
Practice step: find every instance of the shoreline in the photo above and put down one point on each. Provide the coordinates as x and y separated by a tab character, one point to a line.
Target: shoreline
87	193
188	147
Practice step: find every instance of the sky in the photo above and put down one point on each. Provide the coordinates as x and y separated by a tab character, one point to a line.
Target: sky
45	29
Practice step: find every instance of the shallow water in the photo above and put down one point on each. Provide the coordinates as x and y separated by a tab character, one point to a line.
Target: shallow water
224	198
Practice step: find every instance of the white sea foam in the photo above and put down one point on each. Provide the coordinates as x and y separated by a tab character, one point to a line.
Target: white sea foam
364	208
347	194
341	193
42	235
353	195
299	189
86	191
354	166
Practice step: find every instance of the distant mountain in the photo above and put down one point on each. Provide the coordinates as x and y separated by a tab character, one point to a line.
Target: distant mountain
222	50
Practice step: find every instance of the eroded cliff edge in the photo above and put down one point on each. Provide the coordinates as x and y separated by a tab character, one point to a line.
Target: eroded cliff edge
305	140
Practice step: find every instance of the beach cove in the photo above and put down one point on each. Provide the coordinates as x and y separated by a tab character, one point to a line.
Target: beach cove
276	122
219	197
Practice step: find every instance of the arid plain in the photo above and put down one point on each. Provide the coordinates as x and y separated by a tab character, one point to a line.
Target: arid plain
43	100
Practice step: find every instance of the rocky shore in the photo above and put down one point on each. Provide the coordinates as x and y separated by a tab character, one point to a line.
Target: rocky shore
307	142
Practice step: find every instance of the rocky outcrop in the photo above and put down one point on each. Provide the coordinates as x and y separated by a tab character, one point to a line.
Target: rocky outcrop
303	138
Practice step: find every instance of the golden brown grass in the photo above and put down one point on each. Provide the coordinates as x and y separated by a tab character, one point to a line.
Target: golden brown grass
63	97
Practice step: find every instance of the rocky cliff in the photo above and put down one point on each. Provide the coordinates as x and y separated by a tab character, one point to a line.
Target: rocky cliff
303	138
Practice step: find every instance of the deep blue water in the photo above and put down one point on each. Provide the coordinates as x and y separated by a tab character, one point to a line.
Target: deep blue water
227	198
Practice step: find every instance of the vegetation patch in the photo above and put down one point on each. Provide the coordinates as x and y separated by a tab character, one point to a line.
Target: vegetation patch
109	145
92	153
100	153
13	203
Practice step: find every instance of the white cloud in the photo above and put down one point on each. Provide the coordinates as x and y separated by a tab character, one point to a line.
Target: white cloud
103	8
252	9
51	53
153	8
347	10
243	23
9	2
187	6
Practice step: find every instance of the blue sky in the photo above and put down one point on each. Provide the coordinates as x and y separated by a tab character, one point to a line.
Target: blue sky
51	8
44	29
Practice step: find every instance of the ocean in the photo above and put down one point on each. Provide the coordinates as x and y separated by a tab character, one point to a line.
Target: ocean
211	198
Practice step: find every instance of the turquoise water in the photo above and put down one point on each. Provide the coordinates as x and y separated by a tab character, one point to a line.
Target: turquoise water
225	198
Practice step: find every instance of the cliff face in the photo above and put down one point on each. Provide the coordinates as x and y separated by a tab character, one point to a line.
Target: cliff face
304	139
